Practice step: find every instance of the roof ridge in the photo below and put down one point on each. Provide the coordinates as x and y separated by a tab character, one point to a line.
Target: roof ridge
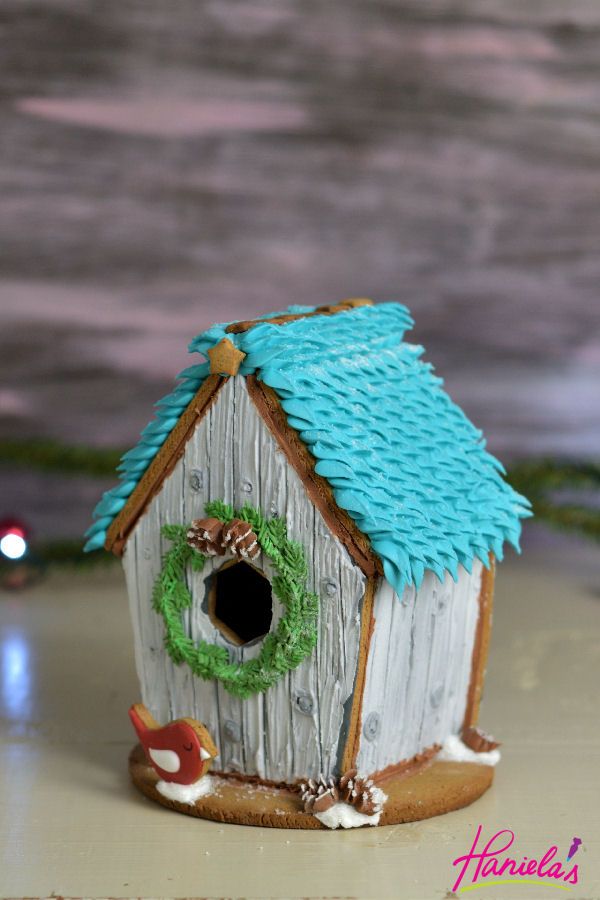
327	310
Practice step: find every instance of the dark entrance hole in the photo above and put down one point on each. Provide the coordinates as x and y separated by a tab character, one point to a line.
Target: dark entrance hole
240	603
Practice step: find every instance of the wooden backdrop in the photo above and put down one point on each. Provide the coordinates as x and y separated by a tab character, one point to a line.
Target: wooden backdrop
166	163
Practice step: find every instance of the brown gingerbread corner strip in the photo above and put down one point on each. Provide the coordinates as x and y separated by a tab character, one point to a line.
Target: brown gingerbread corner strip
318	490
407	767
481	645
367	625
331	310
162	464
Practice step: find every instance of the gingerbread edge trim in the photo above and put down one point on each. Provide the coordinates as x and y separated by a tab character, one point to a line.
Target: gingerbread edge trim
317	488
269	408
481	644
163	464
367	626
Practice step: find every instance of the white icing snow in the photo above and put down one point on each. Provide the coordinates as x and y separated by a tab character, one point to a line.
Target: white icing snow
342	815
453	750
186	793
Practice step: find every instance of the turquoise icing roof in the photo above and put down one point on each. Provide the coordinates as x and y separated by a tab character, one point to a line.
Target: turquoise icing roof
402	459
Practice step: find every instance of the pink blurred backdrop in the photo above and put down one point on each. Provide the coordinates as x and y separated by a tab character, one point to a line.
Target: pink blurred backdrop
165	165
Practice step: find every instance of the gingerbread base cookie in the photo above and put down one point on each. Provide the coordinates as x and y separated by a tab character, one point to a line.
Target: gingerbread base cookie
438	788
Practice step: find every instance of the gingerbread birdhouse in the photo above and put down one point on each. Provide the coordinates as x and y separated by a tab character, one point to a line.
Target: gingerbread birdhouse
309	529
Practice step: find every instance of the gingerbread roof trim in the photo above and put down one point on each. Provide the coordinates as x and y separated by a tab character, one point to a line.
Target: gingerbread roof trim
400	457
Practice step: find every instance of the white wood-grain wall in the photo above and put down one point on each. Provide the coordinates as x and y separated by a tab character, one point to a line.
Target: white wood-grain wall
419	667
293	730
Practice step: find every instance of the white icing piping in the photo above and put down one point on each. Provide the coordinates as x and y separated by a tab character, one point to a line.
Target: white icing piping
186	793
342	815
453	750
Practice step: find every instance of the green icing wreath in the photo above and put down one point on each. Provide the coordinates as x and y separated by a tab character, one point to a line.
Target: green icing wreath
296	634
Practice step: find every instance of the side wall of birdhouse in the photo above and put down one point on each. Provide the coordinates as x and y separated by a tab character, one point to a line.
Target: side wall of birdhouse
418	668
297	728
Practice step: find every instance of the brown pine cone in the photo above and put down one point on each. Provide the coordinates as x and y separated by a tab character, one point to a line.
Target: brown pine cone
364	803
240	540
476	740
206	536
325	801
358	792
347	786
319	796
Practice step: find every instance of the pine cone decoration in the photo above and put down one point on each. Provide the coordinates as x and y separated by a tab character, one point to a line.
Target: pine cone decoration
211	537
360	793
319	796
347	791
206	536
240	540
478	741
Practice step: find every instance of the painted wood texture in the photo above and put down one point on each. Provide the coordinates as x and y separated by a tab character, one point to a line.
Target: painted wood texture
418	668
233	456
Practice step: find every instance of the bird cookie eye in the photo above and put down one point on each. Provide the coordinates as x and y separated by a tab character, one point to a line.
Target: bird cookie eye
191	747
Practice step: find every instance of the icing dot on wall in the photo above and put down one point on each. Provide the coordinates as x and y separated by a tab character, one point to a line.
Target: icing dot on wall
371	726
232	731
436	696
305	702
247	487
330	587
197	480
443	602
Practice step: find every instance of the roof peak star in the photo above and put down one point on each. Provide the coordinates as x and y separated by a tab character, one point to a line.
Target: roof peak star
225	358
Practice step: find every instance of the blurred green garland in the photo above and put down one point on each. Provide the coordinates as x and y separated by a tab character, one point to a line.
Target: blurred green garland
50	456
541	480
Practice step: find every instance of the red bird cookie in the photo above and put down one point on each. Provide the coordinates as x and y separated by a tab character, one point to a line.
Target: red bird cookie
180	752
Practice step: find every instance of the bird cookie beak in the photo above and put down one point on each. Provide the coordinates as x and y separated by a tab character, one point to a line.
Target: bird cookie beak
204	754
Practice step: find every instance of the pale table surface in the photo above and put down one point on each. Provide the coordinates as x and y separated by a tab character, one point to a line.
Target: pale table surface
71	824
